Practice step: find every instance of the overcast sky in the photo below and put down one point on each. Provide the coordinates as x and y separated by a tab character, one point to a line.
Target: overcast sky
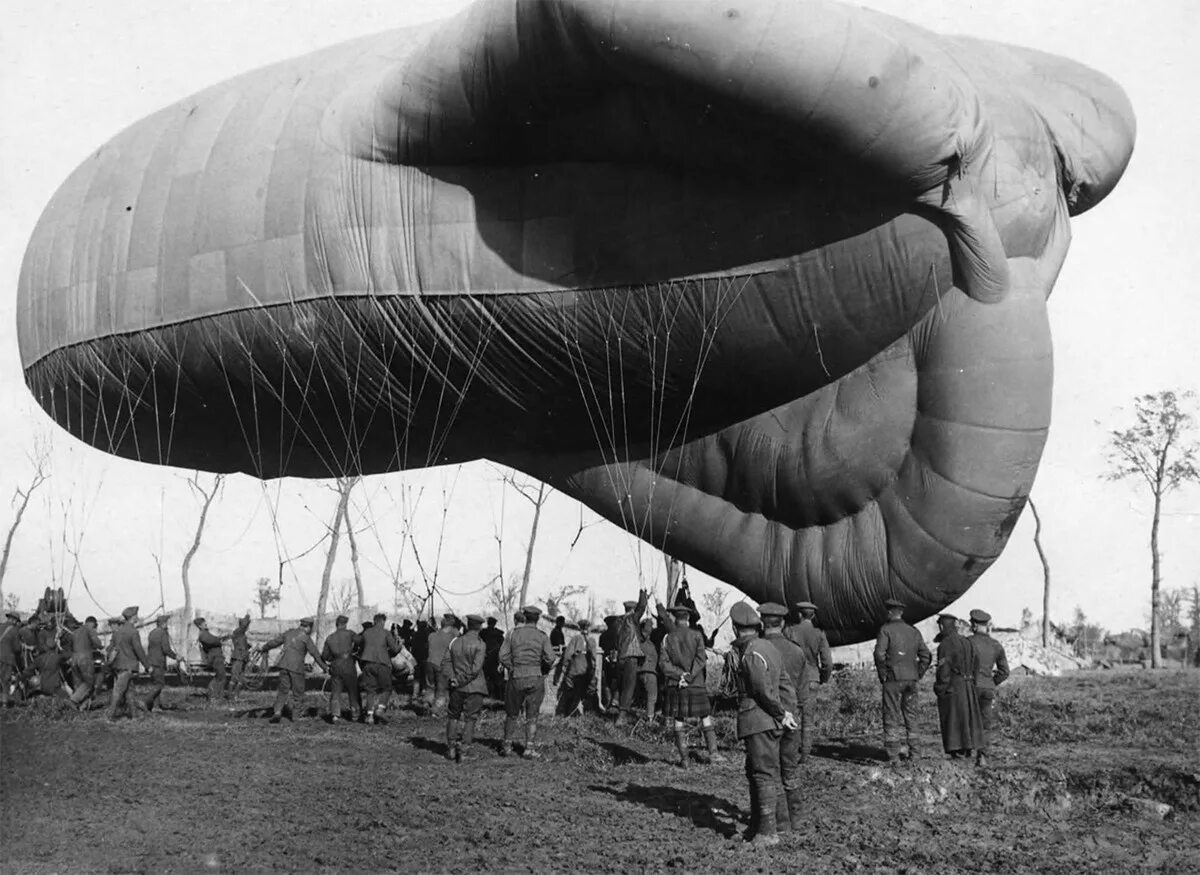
1125	317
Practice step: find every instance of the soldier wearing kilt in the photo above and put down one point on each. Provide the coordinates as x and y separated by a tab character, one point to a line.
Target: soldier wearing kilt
683	660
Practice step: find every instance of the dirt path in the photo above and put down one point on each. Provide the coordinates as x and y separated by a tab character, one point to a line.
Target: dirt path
214	790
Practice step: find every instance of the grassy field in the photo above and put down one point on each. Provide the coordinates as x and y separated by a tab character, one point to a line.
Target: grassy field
1085	769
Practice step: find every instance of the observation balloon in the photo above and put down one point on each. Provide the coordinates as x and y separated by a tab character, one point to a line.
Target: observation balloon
762	282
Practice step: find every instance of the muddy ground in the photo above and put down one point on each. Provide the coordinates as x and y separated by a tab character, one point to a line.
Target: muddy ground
1082	775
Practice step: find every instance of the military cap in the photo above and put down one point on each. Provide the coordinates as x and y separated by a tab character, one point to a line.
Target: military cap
449	615
13	615
491	619
742	614
198	622
161	619
680	609
772	609
805	606
130	612
629	605
584	625
894	603
978	616
610	619
116	621
341	618
307	621
531	611
474	620
947	618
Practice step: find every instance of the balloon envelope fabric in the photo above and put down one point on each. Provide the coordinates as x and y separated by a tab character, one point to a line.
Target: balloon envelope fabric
764	284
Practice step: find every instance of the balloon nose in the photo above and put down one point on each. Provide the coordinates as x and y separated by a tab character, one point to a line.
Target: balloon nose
1092	123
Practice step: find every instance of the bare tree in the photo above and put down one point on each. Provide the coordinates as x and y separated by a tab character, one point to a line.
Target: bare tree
206	495
39	456
12	601
1041	551
266	594
556	601
502	598
1156	450
714	602
341	596
344	487
360	598
536	494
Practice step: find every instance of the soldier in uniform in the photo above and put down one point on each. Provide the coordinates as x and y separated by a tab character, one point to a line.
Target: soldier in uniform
579	663
295	644
901	659
239	655
991	671
378	647
85	641
437	689
213	656
462	666
629	652
11	654
958	706
763	685
343	672
795	665
493	640
127	647
684	662
648	669
818	667
338	652
158	648
527	657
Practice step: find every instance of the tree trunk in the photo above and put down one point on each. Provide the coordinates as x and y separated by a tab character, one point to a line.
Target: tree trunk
335	534
39	478
358	584
185	570
537	515
1037	542
1155	579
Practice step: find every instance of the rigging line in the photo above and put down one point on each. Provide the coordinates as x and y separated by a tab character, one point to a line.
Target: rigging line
220	356
473	362
175	394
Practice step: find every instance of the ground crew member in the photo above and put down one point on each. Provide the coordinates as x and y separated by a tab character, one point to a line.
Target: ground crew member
127	647
338	652
378	647
795	665
437	689
420	652
527	657
462	666
629	652
493	640
239	655
85	641
648	670
818	667
579	663
762	687
294	645
958	706
558	635
901	659
158	648
991	665
10	654
684	663
213	657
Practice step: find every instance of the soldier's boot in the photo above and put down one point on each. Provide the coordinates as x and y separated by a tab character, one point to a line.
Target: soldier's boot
506	745
451	738
783	816
710	739
910	751
621	719
805	745
893	751
681	745
530	752
981	759
766	835
795	801
468	738
752	826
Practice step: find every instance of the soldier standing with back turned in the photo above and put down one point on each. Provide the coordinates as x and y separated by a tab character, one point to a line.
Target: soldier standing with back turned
128	653
295	644
901	659
462	666
818	667
991	671
762	686
239	655
84	643
158	648
788	805
338	652
527	657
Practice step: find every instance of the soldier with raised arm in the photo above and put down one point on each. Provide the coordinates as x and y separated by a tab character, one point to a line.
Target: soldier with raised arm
901	659
212	655
295	645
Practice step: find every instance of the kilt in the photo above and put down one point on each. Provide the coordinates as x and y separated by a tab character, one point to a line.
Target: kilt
687	702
